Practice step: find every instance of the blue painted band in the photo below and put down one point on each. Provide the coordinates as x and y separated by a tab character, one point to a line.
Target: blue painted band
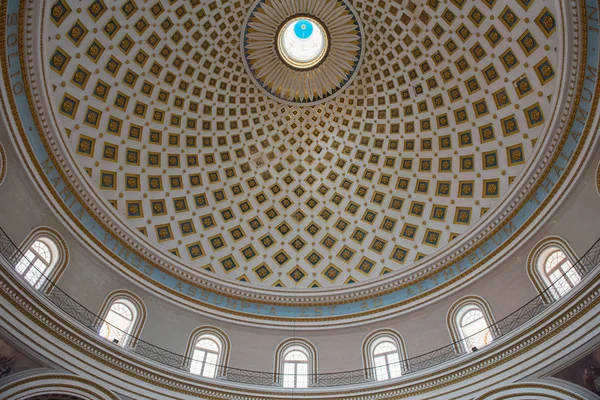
256	309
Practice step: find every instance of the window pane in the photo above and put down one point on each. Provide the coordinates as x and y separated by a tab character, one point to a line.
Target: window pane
393	358
24	262
394	367
208	344
36	262
562	286
112	333
302	368
32	276
39	266
30	256
573	276
209	370
554	260
386	361
384	347
288	368
289	375
302	375
554	276
197	362
42	250
475	329
295	374
206	356
210	367
122	310
118	323
302	381
471	317
211	358
381	373
378	361
296	355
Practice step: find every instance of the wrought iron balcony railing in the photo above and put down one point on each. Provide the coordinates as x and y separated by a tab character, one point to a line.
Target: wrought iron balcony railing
92	321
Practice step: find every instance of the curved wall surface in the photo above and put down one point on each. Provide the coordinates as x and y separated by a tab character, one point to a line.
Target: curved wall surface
554	337
33	195
548	176
505	288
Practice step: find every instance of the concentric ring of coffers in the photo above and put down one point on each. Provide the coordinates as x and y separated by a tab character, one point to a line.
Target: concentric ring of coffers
398	165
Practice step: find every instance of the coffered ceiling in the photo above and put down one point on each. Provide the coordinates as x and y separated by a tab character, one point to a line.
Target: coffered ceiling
162	115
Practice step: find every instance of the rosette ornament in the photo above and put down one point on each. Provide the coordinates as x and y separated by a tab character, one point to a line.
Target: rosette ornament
302	52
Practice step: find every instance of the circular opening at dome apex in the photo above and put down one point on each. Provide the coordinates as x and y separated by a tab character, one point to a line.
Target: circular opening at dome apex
302	42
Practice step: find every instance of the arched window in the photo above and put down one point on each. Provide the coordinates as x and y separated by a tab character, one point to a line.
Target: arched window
295	367
207	352
474	328
550	266
387	361
205	357
38	260
384	355
43	259
470	323
295	363
122	318
558	270
118	322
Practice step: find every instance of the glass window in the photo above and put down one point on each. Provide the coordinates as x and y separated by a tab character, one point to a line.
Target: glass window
302	42
38	261
295	368
386	360
205	356
118	322
474	328
558	270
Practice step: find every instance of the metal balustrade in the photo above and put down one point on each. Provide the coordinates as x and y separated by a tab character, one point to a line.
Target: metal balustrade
92	321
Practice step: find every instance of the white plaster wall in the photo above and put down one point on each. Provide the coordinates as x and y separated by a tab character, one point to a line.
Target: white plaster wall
89	280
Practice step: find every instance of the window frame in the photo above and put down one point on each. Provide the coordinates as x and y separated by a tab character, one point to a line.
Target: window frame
296	366
206	352
291	345
216	335
467	337
536	262
370	344
454	322
30	263
139	314
123	336
58	263
387	362
568	275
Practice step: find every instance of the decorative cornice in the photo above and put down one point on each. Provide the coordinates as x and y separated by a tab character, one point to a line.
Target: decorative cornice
409	282
539	390
2	164
55	384
32	307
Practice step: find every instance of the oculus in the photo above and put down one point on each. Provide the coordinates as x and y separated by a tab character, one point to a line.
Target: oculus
302	53
302	42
